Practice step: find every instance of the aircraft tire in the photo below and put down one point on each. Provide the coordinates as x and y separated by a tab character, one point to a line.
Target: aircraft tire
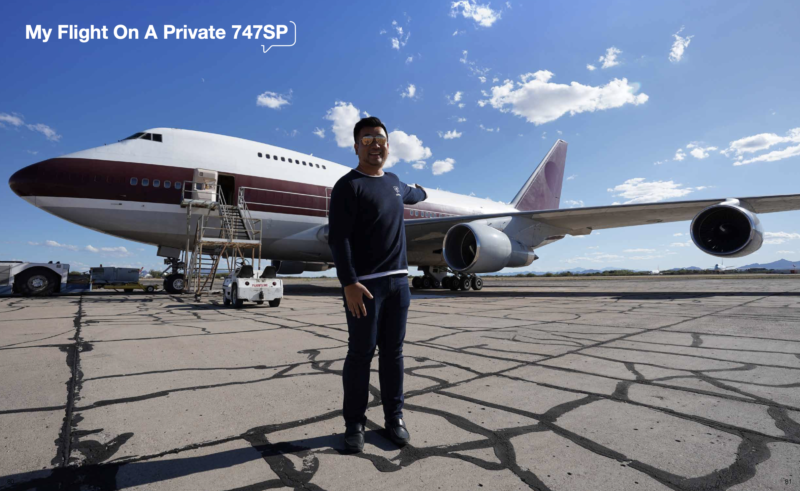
237	302
175	284
416	282
455	284
275	303
465	283
446	282
37	282
435	284
426	282
477	283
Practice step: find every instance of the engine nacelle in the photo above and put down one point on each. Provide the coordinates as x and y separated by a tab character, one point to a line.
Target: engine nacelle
297	267
727	230
479	248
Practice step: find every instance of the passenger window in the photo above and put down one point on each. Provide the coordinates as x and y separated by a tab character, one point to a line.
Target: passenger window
259	154
156	137
283	159
317	165
290	161
156	183
266	155
167	184
304	163
145	182
177	185
134	181
324	167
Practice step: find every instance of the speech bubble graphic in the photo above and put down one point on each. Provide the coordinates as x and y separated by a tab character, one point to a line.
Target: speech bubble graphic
283	45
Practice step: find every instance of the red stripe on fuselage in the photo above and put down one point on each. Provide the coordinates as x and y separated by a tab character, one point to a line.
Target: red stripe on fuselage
111	180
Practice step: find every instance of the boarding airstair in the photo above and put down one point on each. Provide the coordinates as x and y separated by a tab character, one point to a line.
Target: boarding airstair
225	235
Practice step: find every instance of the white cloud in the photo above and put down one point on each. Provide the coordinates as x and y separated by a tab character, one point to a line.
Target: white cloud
544	135
639	250
688	243
320	132
402	36
404	147
762	141
573	176
461	105
409	92
491	130
590	67
17	120
679	46
383	31
638	190
461	120
772	156
773	238
679	234
344	117
610	58
457	32
679	155
47	131
11	119
409	60
595	258
483	15
109	251
419	165
642	258
273	100
455	98
473	67
574	203
52	243
539	101
450	135
441	166
699	152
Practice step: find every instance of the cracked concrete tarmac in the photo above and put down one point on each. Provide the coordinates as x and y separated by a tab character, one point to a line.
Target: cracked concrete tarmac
587	384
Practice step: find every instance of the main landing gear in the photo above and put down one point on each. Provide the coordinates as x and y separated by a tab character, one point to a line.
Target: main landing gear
175	282
435	278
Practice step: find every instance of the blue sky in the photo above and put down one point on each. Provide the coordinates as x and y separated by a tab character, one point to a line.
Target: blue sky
519	68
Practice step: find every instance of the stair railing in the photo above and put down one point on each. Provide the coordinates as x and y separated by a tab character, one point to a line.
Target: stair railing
223	213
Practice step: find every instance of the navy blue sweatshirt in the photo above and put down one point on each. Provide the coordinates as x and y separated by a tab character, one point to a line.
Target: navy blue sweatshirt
366	233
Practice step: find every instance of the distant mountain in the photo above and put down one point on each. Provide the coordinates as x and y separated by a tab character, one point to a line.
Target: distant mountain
690	268
779	264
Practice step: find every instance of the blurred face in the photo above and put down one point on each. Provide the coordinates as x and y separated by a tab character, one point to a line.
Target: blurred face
372	147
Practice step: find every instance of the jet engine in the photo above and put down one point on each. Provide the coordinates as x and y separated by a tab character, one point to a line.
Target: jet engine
478	248
727	230
297	267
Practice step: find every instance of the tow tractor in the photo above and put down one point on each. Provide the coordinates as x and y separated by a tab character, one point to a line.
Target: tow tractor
243	284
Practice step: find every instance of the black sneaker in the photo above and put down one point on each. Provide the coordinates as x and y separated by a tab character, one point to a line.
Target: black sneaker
354	437
398	433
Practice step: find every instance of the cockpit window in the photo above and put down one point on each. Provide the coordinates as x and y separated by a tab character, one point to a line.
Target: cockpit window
146	136
134	136
156	137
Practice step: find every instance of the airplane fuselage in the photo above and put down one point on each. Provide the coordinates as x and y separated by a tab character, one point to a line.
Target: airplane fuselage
128	190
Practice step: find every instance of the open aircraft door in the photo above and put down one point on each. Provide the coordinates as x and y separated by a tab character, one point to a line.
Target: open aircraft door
205	185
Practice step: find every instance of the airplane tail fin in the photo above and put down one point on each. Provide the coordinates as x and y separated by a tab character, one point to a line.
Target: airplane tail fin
542	191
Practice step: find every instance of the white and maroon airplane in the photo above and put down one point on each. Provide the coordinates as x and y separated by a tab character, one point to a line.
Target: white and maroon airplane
132	189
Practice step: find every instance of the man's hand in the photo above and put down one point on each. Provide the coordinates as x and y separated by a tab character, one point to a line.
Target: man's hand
421	189
354	294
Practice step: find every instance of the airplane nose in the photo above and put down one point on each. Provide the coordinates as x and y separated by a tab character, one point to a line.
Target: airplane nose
23	181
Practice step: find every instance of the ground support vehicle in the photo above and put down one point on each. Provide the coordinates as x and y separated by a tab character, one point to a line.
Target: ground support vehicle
243	284
33	279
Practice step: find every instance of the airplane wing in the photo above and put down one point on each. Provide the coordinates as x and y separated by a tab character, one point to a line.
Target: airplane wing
583	220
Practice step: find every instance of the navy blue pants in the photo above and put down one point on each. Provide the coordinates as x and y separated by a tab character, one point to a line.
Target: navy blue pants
384	326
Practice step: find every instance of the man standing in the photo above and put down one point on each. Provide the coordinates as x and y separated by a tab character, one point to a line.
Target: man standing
368	242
